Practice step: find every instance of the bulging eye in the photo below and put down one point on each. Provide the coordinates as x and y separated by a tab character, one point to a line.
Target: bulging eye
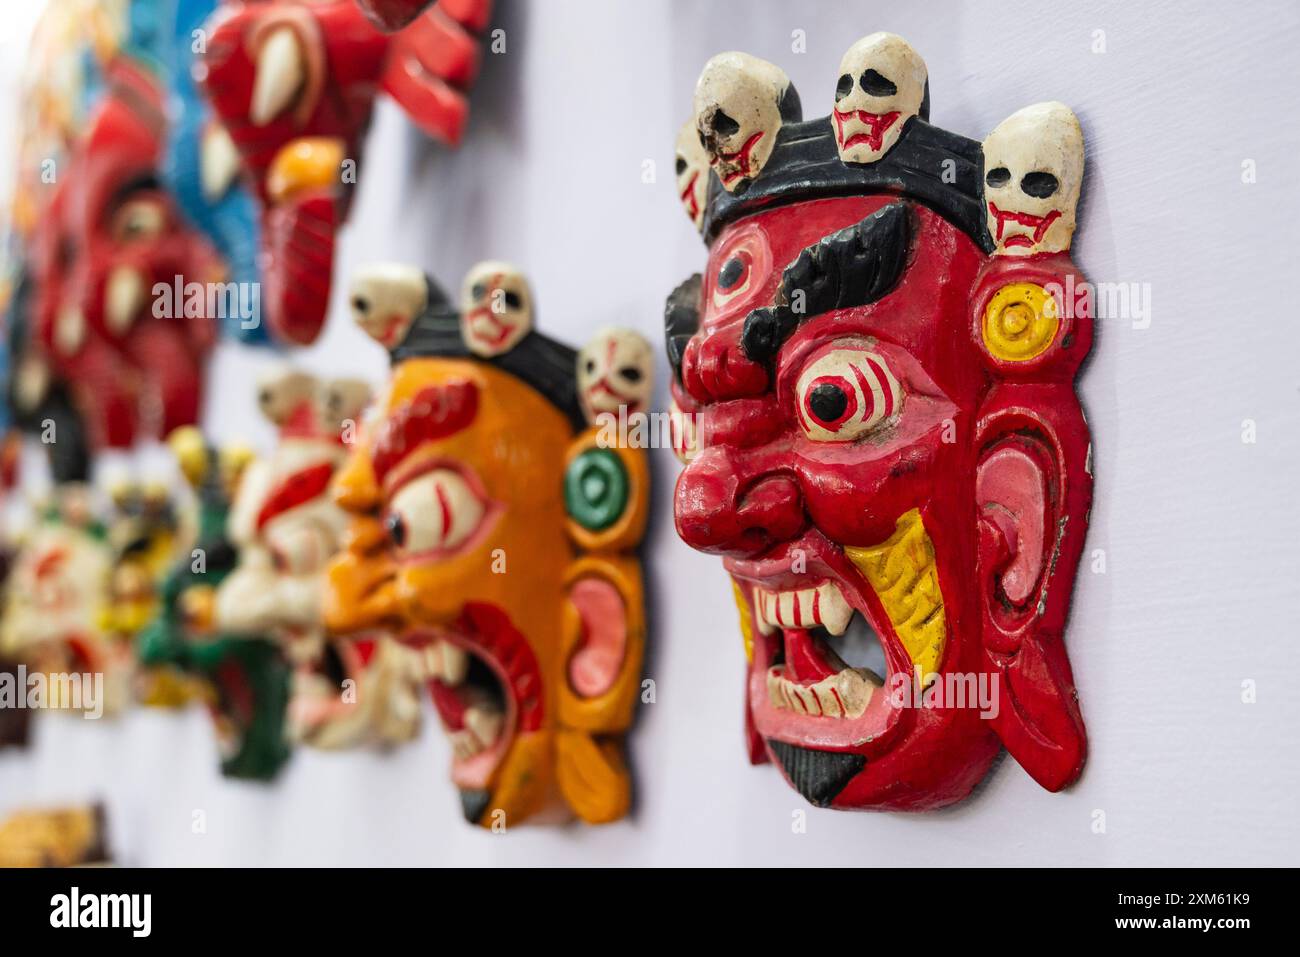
139	219
844	394
732	279
434	511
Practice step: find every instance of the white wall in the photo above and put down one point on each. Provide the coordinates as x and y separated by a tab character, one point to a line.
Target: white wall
1200	531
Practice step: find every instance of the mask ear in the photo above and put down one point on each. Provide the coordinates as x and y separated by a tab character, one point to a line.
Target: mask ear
1033	493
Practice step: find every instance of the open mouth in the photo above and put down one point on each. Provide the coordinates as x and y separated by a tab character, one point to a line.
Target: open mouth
1021	229
317	700
859	126
828	641
470	698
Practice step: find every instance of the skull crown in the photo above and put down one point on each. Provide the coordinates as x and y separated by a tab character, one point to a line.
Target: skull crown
1030	167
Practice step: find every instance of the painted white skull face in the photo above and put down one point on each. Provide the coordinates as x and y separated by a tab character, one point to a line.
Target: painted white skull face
614	370
286	396
496	308
1033	168
738	114
342	403
881	87
692	165
385	299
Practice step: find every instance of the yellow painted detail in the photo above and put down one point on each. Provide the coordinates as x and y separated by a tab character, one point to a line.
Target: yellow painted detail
309	162
746	621
902	572
1020	322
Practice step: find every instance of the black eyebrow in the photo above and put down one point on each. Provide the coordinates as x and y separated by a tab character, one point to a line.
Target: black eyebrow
852	267
681	320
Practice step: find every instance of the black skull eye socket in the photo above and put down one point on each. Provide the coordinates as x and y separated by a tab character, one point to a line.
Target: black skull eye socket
396	529
730	273
827	403
724	125
513	301
844	87
998	177
264	397
681	166
478	290
1039	184
877	84
591	367
360	303
630	373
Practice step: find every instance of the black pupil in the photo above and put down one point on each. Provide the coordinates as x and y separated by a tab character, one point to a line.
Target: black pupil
730	273
396	529
998	177
828	402
630	373
1039	185
876	84
681	166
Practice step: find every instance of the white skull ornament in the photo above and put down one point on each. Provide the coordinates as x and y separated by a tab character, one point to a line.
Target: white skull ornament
740	104
496	308
614	369
881	86
1033	168
286	396
692	165
385	299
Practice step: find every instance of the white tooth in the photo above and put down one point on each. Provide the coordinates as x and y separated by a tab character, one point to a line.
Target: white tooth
123	296
485	724
785	604
807	602
455	664
218	162
835	611
830	705
761	621
280	74
69	330
770	599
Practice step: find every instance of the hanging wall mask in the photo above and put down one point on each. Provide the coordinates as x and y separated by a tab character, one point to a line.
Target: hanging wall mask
293	84
285	527
111	233
494	532
249	675
883	440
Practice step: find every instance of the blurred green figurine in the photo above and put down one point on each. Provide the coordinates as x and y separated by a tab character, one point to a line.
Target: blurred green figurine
249	676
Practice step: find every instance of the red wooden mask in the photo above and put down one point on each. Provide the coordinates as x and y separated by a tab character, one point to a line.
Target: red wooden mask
294	84
110	234
882	434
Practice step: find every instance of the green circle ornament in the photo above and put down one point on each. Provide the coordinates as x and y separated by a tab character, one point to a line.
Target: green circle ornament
595	489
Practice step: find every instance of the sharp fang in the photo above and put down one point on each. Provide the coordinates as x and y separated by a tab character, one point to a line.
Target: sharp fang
218	162
123	297
842	695
484	723
69	330
280	74
455	663
835	611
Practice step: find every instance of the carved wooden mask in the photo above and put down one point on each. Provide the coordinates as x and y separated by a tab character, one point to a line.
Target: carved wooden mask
492	531
882	436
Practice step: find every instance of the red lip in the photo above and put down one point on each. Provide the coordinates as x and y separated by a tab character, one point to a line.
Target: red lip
1039	224
878	124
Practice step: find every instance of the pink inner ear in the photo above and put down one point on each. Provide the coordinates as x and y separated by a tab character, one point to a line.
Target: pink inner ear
1011	491
596	664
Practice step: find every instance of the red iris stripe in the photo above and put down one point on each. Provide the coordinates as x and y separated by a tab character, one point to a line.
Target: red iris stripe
867	394
884	385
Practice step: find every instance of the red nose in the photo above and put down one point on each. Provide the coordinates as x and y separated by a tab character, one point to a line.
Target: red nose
720	510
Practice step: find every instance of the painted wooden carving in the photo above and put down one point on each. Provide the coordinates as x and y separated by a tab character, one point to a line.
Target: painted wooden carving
286	527
293	84
494	531
249	675
883	441
109	234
